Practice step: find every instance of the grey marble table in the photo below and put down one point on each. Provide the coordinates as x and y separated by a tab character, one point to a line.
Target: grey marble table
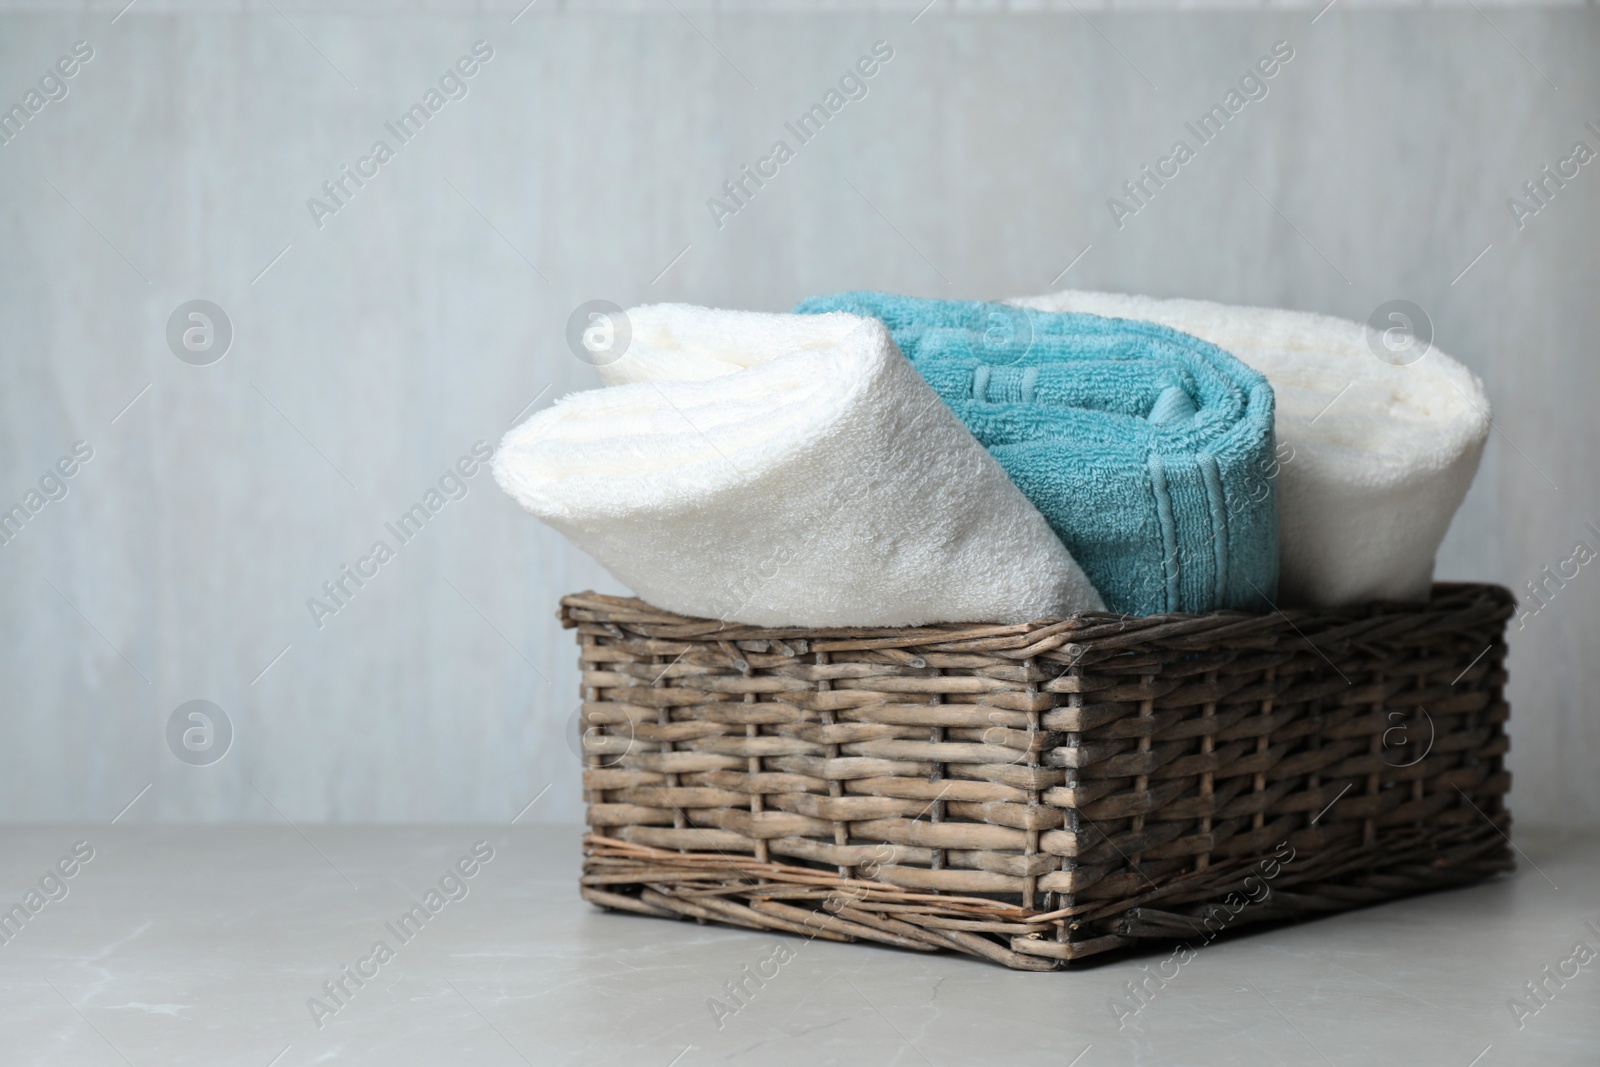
258	945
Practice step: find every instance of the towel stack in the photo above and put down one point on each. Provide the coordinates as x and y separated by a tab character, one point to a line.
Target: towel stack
877	460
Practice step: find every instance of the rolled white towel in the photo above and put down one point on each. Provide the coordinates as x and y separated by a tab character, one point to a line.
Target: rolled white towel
803	475
1379	456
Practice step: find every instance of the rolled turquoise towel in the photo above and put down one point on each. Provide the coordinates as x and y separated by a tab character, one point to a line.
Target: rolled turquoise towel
1149	451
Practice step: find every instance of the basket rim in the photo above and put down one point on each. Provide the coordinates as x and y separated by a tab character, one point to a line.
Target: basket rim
1448	600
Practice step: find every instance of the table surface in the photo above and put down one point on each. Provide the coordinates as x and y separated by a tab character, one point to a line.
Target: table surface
217	945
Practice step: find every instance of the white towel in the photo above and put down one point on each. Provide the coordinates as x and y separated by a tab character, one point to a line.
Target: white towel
1379	456
804	475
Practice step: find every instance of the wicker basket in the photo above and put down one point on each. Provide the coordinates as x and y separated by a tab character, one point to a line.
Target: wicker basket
1039	793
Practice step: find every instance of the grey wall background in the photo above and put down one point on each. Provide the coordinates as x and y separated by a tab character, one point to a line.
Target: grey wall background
370	353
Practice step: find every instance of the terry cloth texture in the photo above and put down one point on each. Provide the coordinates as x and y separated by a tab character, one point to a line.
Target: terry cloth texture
811	478
1149	451
1377	457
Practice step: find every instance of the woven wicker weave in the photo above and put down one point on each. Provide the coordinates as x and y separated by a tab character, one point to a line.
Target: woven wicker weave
1038	793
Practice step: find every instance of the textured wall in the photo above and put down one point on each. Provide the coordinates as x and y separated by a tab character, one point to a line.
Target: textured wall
371	351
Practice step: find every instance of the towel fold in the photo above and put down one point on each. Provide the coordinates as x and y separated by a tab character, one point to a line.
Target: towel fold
1377	457
1149	451
797	473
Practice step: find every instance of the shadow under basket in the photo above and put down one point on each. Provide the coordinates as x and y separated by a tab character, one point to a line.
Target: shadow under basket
1038	793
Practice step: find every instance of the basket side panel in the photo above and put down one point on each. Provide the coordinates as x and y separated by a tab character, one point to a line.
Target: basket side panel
1287	769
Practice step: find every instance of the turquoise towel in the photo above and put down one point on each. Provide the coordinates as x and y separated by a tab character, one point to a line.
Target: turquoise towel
1149	451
